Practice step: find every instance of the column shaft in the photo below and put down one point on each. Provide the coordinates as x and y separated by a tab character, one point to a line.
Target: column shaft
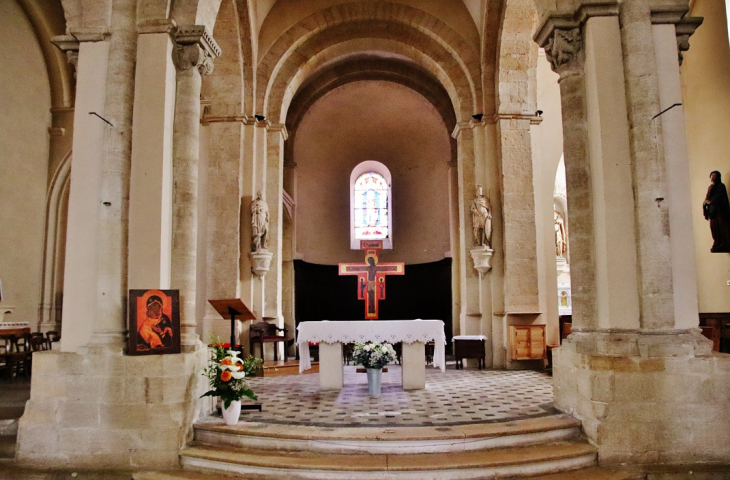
185	197
649	171
113	230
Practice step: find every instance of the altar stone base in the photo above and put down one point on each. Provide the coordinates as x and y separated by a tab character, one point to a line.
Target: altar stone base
331	372
413	373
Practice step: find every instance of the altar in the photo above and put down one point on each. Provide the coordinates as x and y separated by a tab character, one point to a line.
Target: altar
330	335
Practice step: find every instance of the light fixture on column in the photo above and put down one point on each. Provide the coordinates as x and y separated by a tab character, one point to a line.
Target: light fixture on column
259	117
478	117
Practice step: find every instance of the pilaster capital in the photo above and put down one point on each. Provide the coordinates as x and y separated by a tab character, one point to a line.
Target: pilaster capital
196	48
461	127
278	127
533	118
70	46
164	25
684	26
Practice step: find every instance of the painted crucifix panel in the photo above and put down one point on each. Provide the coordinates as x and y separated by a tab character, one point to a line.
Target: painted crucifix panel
371	279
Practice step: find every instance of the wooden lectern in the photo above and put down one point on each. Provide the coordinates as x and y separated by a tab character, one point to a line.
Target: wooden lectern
232	307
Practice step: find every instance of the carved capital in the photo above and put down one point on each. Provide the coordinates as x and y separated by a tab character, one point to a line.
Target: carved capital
195	48
564	50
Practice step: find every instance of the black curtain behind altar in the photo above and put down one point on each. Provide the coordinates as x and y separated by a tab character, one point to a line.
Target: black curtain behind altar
423	292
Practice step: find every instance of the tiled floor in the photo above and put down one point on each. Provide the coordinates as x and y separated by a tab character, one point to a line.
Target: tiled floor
451	398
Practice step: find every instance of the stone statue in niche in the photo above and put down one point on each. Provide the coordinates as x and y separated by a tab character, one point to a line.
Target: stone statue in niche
560	238
716	209
259	224
481	217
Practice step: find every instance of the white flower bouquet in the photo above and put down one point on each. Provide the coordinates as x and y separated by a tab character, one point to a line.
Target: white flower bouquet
373	355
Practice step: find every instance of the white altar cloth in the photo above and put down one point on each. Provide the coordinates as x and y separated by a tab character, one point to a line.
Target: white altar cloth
391	331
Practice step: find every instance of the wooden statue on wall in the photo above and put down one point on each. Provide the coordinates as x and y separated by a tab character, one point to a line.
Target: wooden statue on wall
716	209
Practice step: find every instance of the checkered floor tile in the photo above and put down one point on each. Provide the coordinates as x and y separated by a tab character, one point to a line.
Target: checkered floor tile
453	397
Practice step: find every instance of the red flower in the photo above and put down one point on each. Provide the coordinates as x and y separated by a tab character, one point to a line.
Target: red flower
226	376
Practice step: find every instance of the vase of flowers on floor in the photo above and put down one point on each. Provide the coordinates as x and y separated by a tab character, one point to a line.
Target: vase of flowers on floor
374	356
226	374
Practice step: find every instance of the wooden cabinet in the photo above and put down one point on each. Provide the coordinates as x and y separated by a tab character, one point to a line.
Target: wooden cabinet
527	342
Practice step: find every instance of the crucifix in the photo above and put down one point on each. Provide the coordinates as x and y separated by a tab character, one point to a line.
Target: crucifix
371	276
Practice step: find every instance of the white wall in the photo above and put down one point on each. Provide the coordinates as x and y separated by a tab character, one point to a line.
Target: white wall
706	78
25	103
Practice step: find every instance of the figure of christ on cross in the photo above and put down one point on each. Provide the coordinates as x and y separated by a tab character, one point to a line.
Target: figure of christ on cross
371	279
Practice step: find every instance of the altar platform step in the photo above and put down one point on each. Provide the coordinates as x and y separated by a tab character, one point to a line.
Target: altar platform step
521	448
384	440
286	367
479	464
591	473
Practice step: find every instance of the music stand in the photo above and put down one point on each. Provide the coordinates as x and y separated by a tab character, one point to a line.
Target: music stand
233	307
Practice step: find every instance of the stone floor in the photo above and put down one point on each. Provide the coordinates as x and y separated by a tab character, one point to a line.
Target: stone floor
454	397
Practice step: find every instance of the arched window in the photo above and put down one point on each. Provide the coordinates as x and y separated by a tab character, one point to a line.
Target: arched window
370	204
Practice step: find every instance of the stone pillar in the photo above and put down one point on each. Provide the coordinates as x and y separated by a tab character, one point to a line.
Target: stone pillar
468	277
111	291
668	39
194	55
577	171
276	135
518	214
150	196
631	364
454	242
82	239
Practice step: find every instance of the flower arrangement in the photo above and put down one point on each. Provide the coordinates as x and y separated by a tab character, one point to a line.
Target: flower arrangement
373	355
226	374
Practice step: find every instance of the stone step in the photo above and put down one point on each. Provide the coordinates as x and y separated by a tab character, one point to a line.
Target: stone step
591	473
467	465
388	440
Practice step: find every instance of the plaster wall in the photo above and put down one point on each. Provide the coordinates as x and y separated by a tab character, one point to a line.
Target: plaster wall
25	101
706	78
380	121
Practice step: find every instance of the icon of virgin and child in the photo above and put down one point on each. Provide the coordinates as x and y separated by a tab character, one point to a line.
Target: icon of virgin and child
154	327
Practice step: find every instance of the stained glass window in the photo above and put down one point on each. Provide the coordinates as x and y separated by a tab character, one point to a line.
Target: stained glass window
371	207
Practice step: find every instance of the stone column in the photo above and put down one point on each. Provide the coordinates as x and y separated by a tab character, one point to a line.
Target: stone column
111	287
631	364
669	43
276	135
193	57
454	242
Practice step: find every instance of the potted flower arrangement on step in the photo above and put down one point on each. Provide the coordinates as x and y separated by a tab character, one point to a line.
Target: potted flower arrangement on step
373	356
226	374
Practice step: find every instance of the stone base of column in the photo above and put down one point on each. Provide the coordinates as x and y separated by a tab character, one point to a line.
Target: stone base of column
646	398
101	410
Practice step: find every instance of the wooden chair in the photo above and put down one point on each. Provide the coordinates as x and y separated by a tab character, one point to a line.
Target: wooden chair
264	332
53	336
17	356
39	338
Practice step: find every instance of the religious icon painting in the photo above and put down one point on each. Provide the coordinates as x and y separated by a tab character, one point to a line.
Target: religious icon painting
154	322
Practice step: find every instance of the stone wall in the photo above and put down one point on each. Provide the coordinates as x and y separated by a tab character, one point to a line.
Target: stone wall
110	411
647	399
